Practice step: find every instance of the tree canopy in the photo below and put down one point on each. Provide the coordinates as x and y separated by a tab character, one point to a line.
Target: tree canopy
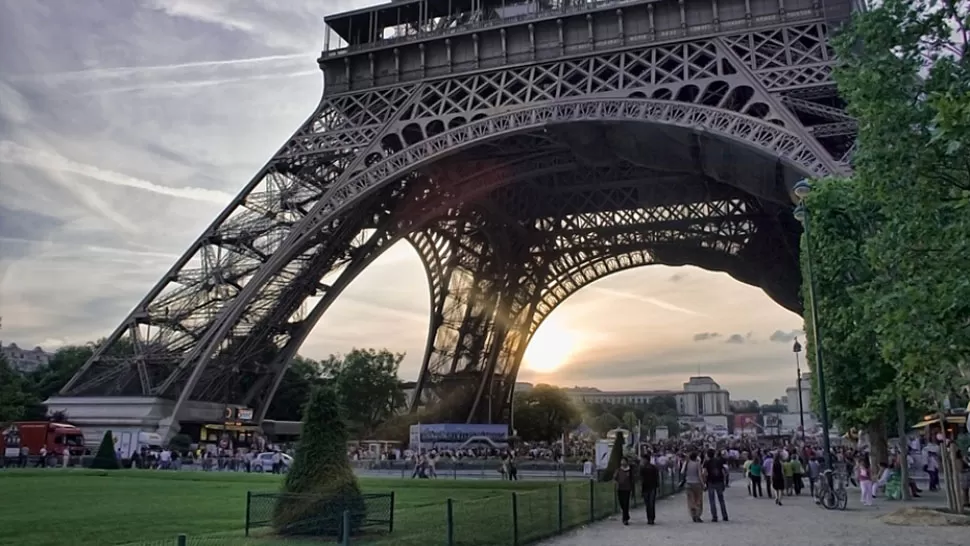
905	74
365	380
367	386
860	381
544	413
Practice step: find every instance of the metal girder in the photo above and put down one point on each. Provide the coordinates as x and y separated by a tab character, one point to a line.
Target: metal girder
475	340
458	163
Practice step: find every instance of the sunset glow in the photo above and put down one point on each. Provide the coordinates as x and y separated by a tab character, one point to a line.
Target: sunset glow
551	346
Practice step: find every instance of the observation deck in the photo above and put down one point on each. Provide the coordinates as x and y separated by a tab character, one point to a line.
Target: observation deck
408	40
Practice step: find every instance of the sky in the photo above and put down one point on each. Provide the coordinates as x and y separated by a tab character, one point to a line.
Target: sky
127	125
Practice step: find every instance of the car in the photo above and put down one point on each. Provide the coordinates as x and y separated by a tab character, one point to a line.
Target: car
265	461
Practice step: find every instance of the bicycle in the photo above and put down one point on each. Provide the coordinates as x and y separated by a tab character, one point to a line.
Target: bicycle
830	497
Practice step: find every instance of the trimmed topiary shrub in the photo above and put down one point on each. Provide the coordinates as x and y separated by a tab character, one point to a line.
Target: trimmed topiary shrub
106	459
615	455
320	485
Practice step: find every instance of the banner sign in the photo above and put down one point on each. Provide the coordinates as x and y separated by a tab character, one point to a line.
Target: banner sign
456	436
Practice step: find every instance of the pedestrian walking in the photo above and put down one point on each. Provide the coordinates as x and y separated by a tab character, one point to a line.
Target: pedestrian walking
694	484
649	483
754	472
768	469
777	478
624	487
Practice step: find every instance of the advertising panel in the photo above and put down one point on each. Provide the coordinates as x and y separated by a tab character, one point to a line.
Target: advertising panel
746	423
457	436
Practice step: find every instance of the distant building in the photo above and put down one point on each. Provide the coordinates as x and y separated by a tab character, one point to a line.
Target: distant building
703	396
590	395
25	360
791	395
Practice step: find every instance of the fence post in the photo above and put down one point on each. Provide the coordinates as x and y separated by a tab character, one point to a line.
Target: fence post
390	524
181	540
249	502
592	503
515	519
450	523
560	508
345	531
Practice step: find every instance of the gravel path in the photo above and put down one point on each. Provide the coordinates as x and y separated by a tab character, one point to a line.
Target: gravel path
758	521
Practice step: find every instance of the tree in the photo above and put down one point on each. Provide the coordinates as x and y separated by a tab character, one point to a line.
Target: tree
662	405
860	382
180	443
367	386
616	453
106	458
544	413
751	406
672	424
59	416
906	75
48	380
15	395
301	376
775	408
604	423
321	484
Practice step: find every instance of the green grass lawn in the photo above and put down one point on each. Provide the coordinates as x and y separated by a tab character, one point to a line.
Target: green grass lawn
88	508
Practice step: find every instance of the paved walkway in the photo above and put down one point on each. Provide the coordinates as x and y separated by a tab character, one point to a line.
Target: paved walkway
758	521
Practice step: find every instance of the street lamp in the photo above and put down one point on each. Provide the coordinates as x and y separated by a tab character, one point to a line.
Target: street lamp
801	190
797	348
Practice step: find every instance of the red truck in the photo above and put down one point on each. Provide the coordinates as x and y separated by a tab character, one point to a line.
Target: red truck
37	434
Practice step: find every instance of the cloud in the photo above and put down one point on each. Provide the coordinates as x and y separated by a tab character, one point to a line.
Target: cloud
115	72
656	302
704	336
13	153
779	336
736	338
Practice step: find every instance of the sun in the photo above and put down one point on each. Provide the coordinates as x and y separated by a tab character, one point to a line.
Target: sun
551	346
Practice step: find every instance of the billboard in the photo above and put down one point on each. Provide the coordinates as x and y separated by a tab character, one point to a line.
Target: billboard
457	436
746	423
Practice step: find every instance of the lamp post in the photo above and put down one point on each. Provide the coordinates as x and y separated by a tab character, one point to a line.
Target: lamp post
797	348
801	190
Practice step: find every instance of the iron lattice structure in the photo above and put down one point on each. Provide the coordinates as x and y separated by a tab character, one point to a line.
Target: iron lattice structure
519	176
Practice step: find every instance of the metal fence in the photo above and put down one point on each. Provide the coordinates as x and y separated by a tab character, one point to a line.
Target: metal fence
512	518
373	514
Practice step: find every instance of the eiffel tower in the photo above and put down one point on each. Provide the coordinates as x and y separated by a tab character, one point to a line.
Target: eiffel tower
526	149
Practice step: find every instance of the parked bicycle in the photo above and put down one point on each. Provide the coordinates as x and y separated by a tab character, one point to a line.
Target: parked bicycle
831	492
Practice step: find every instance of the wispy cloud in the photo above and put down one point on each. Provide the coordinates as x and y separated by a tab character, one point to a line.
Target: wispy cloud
181	85
126	71
647	299
13	153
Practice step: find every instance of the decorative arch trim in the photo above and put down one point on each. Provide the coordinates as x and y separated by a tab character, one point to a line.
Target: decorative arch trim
746	130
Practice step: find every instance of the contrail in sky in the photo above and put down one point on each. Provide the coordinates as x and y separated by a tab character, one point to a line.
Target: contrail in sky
173	85
652	301
15	154
133	70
